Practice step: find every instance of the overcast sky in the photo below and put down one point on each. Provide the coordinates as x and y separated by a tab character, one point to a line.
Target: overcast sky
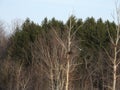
37	10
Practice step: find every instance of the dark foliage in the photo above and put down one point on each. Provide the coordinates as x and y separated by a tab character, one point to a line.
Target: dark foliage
92	37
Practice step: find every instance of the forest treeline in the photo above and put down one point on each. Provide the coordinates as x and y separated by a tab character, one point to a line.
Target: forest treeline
58	56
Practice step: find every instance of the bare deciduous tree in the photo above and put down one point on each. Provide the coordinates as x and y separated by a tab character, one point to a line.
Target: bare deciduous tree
57	57
114	56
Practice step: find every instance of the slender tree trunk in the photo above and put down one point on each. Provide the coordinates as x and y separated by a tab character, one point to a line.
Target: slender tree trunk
68	57
51	75
114	69
67	75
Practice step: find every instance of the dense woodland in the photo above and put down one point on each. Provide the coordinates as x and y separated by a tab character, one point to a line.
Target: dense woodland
76	55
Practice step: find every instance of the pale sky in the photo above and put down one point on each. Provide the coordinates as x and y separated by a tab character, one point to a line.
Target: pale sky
37	10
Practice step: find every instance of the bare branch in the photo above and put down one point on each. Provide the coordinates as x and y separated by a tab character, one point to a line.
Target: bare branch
58	39
111	39
75	31
109	56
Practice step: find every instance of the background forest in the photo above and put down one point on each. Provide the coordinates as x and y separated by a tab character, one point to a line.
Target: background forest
76	55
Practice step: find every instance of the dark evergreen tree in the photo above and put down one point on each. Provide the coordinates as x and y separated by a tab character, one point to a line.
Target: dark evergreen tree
21	41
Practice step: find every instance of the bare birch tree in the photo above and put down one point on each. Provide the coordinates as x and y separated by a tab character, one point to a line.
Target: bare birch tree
48	56
114	56
57	57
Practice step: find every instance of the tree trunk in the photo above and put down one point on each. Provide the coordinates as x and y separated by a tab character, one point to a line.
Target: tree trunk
114	69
